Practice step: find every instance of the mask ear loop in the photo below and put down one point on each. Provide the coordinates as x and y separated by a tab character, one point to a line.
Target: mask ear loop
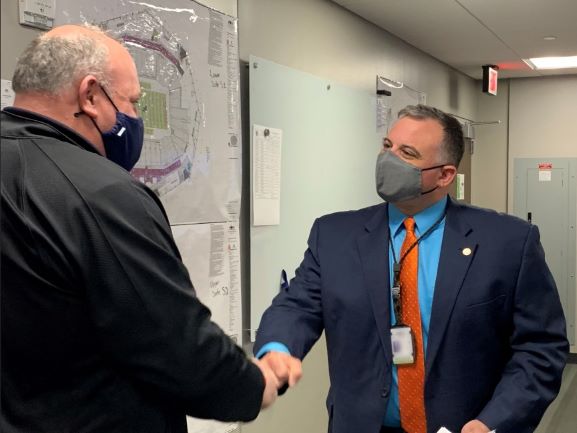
82	113
432	168
431	190
109	98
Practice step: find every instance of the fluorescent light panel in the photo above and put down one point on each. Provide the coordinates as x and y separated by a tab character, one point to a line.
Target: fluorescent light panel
552	62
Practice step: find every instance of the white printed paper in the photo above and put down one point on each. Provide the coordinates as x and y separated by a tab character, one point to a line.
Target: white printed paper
544	175
215	273
7	94
545	171
460	186
266	175
383	115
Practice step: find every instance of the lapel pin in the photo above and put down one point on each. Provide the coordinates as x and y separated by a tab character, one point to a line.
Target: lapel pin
466	251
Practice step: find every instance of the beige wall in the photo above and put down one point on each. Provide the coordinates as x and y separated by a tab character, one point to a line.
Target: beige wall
489	161
543	119
324	39
543	113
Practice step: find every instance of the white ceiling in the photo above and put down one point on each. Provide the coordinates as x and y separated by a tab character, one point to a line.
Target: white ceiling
467	34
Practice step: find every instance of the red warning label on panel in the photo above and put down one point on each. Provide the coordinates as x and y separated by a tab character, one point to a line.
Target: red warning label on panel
545	166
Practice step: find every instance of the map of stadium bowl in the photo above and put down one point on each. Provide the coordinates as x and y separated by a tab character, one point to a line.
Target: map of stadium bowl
169	103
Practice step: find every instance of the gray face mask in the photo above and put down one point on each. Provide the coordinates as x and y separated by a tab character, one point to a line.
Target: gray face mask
398	180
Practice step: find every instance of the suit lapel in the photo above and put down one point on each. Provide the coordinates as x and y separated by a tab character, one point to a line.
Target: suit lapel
457	253
373	246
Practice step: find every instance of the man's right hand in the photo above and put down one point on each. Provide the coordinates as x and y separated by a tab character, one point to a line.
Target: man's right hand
286	368
271	384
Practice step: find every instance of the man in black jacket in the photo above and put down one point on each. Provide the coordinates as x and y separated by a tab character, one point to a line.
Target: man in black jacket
101	328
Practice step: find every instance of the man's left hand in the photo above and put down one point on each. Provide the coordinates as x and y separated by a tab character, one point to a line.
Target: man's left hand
475	426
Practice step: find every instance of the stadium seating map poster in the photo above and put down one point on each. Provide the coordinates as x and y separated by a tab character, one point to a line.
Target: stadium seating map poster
187	59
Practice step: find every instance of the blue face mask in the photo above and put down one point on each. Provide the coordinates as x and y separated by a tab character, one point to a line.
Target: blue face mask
123	143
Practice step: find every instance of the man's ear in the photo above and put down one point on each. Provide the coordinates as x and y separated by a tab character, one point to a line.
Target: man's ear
448	173
87	95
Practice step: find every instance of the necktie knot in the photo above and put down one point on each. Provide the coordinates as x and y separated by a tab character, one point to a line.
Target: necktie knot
409	225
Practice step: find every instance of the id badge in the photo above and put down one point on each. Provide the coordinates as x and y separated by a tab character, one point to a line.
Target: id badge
402	345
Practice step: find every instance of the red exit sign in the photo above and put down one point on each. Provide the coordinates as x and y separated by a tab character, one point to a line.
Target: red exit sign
490	76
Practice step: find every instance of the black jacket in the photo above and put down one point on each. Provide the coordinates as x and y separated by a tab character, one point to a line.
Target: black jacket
101	328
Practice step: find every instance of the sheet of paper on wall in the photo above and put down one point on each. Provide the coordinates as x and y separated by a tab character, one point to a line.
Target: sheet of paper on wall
544	175
384	115
444	430
211	254
545	169
460	186
7	94
266	175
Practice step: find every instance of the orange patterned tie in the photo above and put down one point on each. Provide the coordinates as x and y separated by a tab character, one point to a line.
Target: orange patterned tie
412	376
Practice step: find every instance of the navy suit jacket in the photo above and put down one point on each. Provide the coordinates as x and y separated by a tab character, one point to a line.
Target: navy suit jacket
497	343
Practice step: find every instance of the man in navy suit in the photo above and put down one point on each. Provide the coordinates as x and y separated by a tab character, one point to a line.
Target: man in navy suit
492	326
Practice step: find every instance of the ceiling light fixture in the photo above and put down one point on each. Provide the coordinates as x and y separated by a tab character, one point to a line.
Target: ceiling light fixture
552	62
550	38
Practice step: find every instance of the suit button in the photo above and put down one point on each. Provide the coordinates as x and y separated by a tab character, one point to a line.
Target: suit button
385	393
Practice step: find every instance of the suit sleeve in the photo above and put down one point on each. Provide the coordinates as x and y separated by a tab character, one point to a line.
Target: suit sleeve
295	317
532	376
147	317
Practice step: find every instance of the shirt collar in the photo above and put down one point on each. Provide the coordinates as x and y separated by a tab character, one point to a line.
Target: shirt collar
423	220
54	127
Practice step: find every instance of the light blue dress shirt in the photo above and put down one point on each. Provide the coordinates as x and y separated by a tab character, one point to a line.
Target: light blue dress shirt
429	253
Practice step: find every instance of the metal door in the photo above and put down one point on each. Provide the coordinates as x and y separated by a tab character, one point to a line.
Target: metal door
545	194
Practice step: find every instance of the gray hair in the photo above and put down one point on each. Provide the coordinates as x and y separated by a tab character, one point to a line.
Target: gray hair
52	64
453	142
